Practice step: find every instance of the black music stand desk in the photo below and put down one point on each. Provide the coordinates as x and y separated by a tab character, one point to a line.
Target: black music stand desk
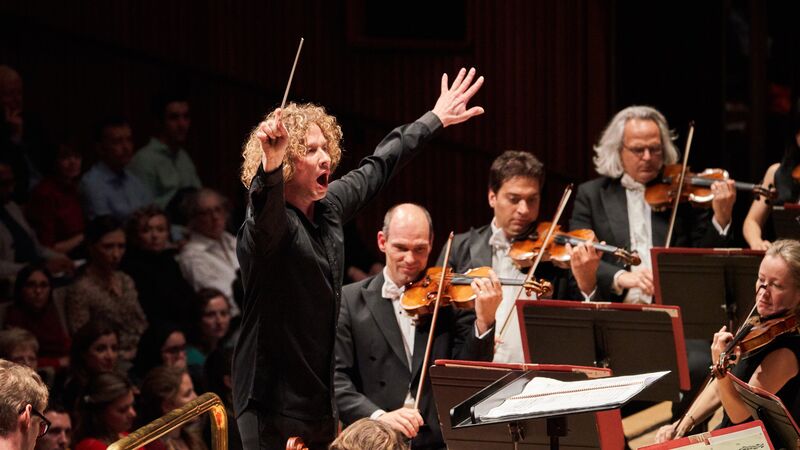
628	339
453	381
713	287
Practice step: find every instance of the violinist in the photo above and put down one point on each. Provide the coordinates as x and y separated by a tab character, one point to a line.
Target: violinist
379	349
785	176
290	250
772	367
630	154
515	182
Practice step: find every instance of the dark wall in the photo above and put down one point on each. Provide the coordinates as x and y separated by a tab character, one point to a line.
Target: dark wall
545	63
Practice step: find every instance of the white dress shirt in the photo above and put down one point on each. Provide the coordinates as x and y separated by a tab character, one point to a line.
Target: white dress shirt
211	263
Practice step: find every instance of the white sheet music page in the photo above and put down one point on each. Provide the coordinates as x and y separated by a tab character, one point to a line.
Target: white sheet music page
545	395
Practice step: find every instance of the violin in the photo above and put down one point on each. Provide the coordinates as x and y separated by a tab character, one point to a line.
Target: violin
796	173
755	334
660	194
524	249
419	296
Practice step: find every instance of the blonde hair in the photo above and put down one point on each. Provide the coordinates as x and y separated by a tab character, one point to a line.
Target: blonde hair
19	386
14	338
607	160
368	434
297	119
789	251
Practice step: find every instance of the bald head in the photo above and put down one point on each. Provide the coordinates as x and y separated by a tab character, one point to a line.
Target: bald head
406	240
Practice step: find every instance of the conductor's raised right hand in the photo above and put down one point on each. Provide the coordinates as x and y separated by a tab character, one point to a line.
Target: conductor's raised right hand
274	139
404	420
451	107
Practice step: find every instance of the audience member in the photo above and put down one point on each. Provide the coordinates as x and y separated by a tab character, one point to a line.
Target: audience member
208	260
150	260
163	344
19	346
218	380
109	187
163	164
55	210
59	435
22	138
95	350
211	319
105	411
22	396
104	293
18	243
369	434
163	390
35	311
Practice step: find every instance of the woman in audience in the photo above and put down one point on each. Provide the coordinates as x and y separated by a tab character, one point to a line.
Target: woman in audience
95	350
104	293
105	411
35	311
210	321
163	344
163	390
19	346
150	260
54	209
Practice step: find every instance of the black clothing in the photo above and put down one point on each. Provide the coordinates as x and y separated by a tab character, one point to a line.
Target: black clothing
164	293
292	275
372	370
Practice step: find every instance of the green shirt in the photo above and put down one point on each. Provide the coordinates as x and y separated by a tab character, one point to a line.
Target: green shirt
164	171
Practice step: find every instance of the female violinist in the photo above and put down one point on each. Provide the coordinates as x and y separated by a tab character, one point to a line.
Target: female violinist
773	366
785	176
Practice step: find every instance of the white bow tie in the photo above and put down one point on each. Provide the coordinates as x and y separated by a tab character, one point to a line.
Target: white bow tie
498	241
629	183
391	290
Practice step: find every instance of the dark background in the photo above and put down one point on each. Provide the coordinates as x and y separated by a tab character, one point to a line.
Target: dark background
556	71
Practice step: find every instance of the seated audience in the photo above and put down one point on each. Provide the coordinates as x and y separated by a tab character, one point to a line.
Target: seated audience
55	210
369	434
105	411
104	293
162	344
23	396
35	311
150	260
163	390
163	164
59	435
211	319
19	346
18	243
218	380
95	350
108	187
208	260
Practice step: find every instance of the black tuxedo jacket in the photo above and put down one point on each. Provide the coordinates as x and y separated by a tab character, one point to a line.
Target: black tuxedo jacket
472	249
372	370
601	205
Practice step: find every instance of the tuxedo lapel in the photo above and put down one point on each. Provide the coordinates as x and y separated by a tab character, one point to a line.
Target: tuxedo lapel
420	342
479	249
383	314
615	204
659	223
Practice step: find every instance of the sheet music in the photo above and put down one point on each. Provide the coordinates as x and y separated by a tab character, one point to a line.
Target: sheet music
545	395
747	439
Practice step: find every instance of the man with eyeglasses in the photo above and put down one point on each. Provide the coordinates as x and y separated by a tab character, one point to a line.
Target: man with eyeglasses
59	435
631	153
23	395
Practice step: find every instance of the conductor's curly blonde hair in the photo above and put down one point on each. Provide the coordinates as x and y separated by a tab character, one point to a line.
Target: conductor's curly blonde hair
297	119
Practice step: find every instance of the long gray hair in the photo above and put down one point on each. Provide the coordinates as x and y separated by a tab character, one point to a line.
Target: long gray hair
607	160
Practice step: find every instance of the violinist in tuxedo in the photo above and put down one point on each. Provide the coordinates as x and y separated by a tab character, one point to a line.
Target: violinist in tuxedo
514	194
380	348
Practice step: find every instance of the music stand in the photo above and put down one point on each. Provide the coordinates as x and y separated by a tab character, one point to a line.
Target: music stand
786	221
713	287
453	381
768	408
473	411
628	339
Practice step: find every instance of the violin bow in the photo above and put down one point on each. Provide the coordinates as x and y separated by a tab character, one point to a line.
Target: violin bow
431	333
291	74
550	231
680	184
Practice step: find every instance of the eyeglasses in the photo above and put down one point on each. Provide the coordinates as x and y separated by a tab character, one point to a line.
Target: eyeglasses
44	425
656	150
175	349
